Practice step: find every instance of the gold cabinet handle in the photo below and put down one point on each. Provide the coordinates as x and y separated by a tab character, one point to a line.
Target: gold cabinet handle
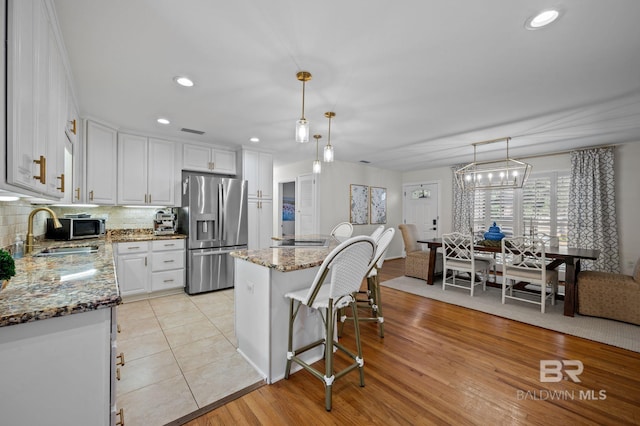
149	198
118	328
118	373
61	188
78	193
91	195
73	128
43	169
121	359
121	414
145	198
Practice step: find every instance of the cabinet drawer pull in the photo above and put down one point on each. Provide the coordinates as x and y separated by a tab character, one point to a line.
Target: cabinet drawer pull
133	248
121	359
169	261
118	373
167	281
121	414
169	245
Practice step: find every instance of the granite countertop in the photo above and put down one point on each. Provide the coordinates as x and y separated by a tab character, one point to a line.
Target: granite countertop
53	286
285	259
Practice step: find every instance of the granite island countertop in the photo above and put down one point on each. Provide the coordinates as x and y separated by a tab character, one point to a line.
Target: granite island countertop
53	286
286	259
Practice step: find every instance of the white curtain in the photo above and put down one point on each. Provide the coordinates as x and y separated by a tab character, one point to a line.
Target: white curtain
462	206
592	207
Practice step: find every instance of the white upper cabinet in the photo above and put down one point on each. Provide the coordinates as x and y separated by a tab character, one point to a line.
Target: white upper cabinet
146	171
204	159
101	146
36	101
257	168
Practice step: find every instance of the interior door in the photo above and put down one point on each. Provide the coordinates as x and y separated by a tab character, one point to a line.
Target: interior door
306	217
421	208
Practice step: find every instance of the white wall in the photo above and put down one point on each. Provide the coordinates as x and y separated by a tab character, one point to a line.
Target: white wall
334	190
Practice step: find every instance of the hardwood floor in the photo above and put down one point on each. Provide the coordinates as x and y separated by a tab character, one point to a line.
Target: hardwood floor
443	364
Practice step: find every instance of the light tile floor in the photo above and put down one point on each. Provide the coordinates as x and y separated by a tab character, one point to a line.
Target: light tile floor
180	355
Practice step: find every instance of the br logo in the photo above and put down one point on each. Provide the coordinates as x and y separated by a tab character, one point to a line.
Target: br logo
551	370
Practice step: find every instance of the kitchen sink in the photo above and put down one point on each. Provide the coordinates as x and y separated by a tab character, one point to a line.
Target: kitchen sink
61	251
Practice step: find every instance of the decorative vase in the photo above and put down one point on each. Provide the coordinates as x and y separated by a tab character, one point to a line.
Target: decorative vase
494	233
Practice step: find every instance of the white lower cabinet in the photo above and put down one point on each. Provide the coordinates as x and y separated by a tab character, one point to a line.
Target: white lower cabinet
146	267
59	371
167	264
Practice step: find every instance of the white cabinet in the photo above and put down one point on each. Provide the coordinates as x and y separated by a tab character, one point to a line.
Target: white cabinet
150	266
132	267
205	159
36	100
146	171
260	223
58	371
101	157
257	170
167	264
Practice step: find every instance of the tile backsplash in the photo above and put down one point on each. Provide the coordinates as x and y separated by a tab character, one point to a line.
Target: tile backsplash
14	216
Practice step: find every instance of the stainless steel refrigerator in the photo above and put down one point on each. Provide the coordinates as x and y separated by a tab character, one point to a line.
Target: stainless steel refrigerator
214	218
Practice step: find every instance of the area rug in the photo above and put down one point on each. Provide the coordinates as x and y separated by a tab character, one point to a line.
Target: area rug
611	332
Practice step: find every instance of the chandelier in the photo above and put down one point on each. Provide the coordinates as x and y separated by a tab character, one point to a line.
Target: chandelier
302	125
481	175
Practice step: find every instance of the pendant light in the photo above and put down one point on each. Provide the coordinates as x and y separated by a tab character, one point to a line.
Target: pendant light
328	150
317	165
302	125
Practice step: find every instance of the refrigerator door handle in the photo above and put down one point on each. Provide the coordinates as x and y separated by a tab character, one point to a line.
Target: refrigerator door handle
221	213
213	253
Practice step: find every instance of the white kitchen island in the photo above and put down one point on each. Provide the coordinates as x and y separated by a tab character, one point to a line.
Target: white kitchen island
262	278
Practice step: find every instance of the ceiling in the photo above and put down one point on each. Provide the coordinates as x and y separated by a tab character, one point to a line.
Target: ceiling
413	83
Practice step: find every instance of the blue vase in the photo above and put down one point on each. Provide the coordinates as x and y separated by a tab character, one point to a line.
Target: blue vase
494	233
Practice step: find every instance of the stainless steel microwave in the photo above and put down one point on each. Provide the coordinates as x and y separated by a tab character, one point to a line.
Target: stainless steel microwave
76	228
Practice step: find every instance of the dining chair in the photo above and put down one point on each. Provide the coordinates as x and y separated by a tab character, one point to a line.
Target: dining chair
416	263
333	287
373	297
459	256
343	230
524	260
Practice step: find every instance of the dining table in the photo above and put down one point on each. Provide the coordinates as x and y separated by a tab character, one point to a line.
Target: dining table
569	256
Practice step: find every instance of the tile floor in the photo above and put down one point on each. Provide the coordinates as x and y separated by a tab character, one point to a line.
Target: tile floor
180	355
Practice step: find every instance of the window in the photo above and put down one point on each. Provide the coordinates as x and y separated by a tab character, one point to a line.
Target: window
541	206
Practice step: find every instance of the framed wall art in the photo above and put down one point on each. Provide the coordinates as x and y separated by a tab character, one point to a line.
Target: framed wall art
359	199
378	208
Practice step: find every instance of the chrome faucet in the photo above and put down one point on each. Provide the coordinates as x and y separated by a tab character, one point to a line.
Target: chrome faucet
56	223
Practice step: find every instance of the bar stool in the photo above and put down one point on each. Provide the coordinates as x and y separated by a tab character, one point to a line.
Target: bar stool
373	296
344	269
343	229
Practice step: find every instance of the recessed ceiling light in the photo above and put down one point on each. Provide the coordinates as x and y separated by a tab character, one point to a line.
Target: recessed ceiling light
542	19
183	81
254	140
163	121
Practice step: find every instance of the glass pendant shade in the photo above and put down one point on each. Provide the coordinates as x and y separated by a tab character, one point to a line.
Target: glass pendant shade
328	154
317	167
302	131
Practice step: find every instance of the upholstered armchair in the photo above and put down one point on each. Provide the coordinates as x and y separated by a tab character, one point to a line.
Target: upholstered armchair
608	295
416	263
